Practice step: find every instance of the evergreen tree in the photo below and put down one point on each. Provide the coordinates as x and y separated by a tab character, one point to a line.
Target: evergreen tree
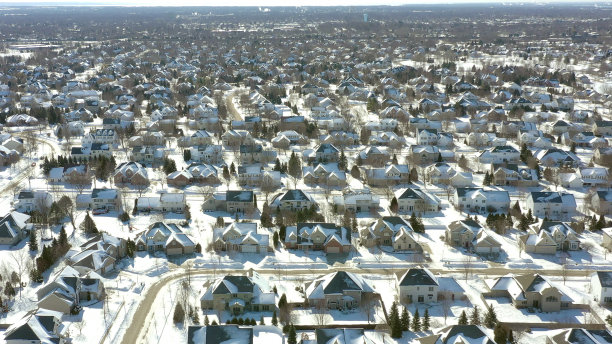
475	316
523	223
292	336
394	206
486	180
88	225
342	163
262	321
530	217
414	175
206	321
510	337
187	155
416	322
490	318
33	243
179	314
426	320
274	319
295	166
500	334
394	160
395	322
405	320
463	320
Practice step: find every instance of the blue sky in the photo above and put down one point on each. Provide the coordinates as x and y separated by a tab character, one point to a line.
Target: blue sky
271	2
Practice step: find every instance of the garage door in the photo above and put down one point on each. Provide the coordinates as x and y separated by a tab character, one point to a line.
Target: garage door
482	249
249	248
173	251
333	249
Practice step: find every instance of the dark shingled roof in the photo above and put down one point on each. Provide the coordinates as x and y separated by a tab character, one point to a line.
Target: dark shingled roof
417	277
470	331
242	283
237	196
341	282
605	278
218	334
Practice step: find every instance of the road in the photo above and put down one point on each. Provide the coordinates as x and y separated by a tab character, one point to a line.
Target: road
231	108
25	173
137	330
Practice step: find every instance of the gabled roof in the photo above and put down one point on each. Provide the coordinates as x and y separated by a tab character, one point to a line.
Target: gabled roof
239	196
417	276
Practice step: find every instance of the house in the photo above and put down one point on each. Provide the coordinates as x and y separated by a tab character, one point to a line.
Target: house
602	202
607	238
40	326
391	231
148	155
595	176
603	128
557	158
294	200
324	174
240	237
499	154
551	205
581	336
413	200
345	336
326	237
327	153
239	294
99	199
417	285
374	156
424	154
131	172
27	201
529	291
99	254
338	290
231	201
440	173
235	138
564	236
219	334
388	175
208	154
67	288
455	334
514	175
356	201
470	235
102	136
194	173
601	287
14	226
255	153
168	238
427	137
481	200
462	179
167	202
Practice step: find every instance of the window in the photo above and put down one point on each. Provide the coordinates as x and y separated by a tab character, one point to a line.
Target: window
551	299
431	288
608	299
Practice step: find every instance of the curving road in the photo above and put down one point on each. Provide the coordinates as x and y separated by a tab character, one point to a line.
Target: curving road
135	332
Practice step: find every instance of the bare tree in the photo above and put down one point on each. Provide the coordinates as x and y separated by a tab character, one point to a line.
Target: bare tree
467	266
446	305
320	312
368	305
20	259
80	181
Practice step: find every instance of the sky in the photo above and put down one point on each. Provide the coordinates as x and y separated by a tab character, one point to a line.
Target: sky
268	2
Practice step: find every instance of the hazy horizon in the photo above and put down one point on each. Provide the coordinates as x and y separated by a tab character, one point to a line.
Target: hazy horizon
273	3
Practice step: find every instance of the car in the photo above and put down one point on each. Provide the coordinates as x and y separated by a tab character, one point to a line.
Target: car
99	211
